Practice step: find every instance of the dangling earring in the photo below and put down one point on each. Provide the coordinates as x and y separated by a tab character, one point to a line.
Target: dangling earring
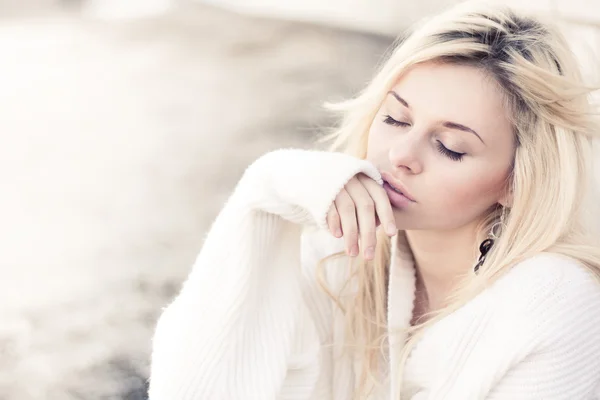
487	244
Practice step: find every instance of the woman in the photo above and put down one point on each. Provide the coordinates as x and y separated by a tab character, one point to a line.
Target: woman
443	254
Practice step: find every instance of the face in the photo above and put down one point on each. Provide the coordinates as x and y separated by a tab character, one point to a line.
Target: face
442	137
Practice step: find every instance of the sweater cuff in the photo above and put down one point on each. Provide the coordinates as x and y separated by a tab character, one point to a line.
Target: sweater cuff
310	179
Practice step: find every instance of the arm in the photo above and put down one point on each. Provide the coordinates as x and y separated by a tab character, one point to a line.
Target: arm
231	330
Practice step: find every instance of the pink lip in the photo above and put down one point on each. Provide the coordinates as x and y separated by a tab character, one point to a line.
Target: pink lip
390	181
397	200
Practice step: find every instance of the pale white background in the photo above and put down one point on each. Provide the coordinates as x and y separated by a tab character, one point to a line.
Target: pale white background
123	127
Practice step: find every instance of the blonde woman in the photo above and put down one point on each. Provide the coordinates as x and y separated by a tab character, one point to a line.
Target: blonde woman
443	253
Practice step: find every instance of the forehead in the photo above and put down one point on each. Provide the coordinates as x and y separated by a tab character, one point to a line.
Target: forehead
457	93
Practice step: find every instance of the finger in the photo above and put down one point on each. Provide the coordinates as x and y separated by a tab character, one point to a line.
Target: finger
333	221
365	212
347	213
382	204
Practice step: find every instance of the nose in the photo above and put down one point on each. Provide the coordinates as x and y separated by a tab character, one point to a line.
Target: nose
404	154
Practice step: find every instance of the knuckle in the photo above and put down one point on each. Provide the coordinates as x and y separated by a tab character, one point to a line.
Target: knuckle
342	196
348	208
353	181
364	179
369	233
351	232
367	206
333	217
368	241
353	235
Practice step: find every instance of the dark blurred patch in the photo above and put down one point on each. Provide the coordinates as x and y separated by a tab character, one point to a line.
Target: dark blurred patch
127	383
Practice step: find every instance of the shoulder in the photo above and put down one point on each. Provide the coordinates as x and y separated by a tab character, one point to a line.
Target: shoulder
552	274
555	294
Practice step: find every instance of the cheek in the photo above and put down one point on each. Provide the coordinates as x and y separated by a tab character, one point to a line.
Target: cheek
377	146
469	193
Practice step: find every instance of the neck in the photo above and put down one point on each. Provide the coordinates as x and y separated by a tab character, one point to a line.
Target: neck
441	257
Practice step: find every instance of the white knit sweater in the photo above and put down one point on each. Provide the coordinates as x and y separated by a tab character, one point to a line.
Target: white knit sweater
251	322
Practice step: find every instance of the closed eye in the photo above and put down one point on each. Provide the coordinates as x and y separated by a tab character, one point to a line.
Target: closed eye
453	155
391	121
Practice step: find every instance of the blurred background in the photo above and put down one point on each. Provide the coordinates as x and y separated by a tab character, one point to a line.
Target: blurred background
125	124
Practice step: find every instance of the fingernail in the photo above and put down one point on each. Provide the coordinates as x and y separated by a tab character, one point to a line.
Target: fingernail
391	228
369	253
338	233
354	251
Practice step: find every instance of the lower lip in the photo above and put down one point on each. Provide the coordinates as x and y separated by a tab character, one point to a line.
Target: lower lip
398	200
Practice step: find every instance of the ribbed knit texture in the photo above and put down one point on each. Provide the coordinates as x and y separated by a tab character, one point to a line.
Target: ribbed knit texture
251	321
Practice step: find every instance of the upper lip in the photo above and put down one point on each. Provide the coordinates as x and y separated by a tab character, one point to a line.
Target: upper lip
387	178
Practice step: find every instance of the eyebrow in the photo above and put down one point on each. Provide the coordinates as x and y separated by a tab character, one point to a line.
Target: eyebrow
447	124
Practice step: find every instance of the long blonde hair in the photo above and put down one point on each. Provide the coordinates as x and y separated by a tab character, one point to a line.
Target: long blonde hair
554	123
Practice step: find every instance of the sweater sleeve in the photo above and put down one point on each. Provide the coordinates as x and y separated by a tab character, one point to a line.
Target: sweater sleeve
231	331
563	359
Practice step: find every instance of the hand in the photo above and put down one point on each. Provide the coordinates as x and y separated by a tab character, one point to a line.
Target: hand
357	211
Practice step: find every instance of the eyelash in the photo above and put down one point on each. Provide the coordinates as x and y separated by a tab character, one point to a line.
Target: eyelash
440	147
449	153
391	121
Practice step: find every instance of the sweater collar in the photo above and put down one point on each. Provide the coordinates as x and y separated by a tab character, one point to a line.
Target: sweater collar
401	298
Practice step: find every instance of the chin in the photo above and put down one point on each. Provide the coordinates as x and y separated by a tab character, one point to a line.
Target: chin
405	222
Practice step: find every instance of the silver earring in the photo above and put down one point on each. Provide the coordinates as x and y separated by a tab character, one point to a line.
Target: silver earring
497	227
488	243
